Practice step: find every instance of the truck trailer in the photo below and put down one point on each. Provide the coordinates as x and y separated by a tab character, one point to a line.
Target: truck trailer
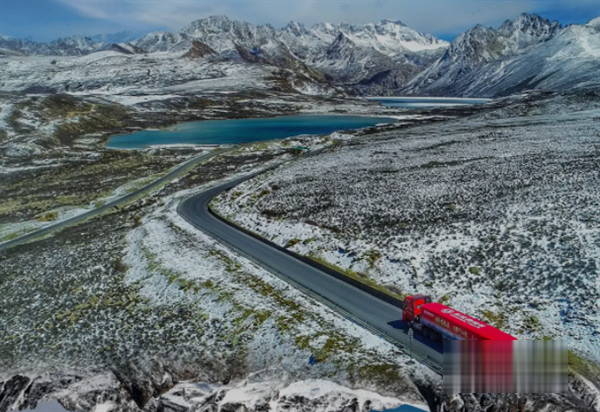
437	321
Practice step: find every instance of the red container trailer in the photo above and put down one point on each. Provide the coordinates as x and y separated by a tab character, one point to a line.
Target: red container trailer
436	321
482	363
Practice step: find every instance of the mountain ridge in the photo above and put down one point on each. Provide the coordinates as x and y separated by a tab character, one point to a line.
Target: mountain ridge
529	52
383	58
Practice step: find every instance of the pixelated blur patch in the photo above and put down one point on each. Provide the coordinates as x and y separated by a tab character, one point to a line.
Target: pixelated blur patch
505	366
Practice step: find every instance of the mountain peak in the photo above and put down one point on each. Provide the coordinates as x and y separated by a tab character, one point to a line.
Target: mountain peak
160	41
526	15
527	30
594	23
78	43
75	37
395	22
217	17
325	27
216	20
476	30
529	23
296	28
349	27
120	37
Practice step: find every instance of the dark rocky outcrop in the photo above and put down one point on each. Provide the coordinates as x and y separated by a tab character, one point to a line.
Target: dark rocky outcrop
145	381
11	390
199	50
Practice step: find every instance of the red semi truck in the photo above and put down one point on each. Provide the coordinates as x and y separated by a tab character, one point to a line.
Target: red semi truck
437	321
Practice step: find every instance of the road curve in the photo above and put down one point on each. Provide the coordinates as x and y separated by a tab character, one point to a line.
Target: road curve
360	307
373	314
118	202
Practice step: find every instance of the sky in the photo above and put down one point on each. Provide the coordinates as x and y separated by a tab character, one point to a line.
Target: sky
45	20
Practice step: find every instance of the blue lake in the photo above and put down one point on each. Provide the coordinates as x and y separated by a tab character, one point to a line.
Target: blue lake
425	102
243	130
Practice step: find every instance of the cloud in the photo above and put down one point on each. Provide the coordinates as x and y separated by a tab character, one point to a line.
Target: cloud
171	15
90	10
432	16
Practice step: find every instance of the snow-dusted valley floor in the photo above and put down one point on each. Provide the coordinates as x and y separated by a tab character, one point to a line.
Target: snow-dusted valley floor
56	113
496	214
136	310
112	314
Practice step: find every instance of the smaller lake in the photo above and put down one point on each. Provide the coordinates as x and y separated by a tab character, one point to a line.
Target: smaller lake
425	102
243	130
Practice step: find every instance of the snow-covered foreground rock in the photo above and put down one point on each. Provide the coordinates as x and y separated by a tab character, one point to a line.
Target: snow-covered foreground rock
495	215
315	395
255	393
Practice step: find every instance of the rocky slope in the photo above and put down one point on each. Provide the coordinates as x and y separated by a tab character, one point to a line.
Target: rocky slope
527	53
347	54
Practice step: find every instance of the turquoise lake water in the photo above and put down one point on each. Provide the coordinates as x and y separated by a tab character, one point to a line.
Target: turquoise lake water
425	102
243	130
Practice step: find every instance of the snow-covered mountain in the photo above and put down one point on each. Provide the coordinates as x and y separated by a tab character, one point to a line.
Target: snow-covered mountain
162	41
226	36
527	53
13	46
113	38
363	54
68	46
347	54
74	45
385	58
595	23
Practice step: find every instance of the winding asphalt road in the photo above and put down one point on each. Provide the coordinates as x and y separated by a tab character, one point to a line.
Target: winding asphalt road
377	316
368	311
115	203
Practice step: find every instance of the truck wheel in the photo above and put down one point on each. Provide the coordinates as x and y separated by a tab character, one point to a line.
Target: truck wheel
426	331
436	336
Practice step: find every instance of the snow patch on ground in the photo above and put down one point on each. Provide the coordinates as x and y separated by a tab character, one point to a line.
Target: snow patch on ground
11	230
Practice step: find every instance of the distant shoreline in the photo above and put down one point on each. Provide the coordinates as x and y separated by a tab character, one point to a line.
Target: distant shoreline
432	99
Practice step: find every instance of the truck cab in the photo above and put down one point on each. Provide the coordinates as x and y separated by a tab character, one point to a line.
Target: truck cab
412	307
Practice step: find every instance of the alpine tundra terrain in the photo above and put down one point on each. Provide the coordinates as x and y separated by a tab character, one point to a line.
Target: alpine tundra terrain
137	310
495	214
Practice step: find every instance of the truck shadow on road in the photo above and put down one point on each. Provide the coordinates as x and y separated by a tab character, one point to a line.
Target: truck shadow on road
437	346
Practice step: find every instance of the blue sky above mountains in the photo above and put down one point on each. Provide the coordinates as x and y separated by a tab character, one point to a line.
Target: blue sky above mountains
44	20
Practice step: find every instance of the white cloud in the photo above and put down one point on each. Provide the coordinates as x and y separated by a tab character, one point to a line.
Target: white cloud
433	16
91	10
